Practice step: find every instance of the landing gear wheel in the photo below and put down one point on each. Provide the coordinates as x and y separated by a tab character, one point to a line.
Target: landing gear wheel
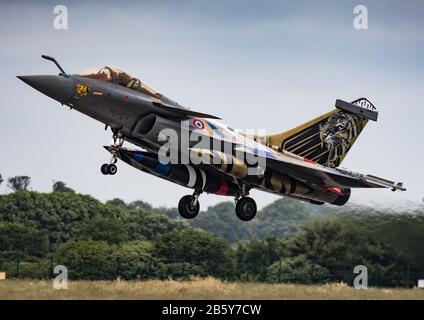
109	169
188	207
117	142
103	168
246	209
112	169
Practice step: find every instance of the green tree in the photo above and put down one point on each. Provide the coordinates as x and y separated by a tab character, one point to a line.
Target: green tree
332	242
221	221
60	214
141	206
17	240
34	269
111	230
282	218
64	215
339	246
254	257
206	254
1	179
297	270
59	186
117	202
93	260
135	260
147	226
19	183
402	230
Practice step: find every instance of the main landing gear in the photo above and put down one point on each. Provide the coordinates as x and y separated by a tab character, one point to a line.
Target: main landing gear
189	206
246	209
117	141
245	206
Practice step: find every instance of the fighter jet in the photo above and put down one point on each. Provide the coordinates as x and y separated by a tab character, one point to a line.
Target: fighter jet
195	150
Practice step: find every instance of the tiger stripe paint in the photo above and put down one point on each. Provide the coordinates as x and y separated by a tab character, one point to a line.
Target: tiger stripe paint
185	175
203	174
192	176
276	183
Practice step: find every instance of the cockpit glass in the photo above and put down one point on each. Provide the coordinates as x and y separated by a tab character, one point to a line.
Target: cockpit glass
113	74
99	73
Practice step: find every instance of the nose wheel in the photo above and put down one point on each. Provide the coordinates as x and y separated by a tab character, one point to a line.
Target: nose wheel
117	142
110	169
189	206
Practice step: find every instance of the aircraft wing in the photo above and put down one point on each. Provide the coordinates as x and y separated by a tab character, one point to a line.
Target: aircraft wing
182	112
313	173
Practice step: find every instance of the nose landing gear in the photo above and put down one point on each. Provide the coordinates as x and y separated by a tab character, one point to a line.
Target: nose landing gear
107	168
117	142
189	206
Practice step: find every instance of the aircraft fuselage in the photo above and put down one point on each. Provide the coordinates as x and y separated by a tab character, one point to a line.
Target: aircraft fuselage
194	150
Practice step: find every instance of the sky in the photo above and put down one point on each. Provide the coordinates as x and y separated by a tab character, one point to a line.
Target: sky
257	64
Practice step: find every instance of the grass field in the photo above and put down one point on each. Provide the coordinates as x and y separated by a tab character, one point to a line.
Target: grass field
195	289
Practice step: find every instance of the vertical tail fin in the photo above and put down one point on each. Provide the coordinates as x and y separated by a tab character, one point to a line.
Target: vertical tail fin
327	138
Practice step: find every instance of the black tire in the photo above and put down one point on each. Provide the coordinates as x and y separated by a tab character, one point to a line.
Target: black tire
112	169
103	169
186	210
246	209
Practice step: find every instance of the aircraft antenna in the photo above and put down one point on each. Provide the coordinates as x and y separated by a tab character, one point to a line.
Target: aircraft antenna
62	72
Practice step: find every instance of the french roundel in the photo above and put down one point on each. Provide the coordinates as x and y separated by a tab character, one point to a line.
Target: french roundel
198	124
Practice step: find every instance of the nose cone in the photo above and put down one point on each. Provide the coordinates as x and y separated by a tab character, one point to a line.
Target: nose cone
56	87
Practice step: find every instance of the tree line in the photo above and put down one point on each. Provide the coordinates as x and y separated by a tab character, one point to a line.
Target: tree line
96	240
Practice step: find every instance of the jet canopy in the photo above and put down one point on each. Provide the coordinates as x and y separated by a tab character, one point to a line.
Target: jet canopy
123	78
